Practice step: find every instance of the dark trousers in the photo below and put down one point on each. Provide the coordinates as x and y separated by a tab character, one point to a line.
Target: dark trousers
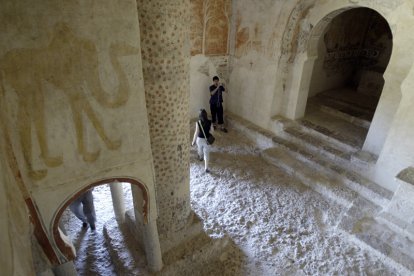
84	209
217	113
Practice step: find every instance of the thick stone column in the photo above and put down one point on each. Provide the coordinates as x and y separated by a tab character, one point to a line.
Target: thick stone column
164	27
118	201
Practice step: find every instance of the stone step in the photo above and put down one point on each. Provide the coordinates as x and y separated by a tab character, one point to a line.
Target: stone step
317	154
357	183
398	225
202	255
346	156
354	159
377	237
363	161
127	256
304	128
316	145
261	137
399	214
362	102
325	185
192	252
334	137
346	113
191	231
347	108
185	248
286	128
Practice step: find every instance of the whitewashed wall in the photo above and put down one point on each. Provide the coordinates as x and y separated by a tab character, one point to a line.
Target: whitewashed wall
269	60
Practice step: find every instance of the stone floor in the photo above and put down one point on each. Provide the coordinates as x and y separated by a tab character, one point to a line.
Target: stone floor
276	223
281	226
287	204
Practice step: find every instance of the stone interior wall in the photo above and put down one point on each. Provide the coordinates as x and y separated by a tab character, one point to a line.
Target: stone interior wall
267	36
396	153
15	229
390	133
202	70
73	97
269	47
164	27
209	38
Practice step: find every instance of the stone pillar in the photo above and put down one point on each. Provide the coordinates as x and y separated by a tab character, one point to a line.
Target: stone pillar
147	233
118	201
164	27
152	246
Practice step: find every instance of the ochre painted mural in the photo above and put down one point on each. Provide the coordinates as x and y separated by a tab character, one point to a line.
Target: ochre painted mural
210	25
258	37
248	39
70	63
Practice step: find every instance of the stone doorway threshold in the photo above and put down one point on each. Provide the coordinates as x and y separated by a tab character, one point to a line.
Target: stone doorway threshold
343	113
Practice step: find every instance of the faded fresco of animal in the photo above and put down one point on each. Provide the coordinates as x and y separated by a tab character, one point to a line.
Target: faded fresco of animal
68	63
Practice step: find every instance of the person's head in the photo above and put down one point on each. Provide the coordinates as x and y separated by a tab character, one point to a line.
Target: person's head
216	80
203	115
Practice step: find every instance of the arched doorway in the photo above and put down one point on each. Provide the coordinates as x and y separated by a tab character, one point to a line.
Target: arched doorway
348	53
148	233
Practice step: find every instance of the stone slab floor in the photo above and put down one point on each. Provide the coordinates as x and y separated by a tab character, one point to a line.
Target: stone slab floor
280	226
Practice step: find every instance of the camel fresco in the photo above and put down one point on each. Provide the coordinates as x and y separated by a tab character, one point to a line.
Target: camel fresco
69	63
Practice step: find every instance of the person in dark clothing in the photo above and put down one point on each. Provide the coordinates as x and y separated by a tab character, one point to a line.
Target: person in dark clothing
216	103
202	146
84	209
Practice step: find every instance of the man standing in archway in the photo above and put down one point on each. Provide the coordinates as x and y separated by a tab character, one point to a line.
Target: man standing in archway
216	103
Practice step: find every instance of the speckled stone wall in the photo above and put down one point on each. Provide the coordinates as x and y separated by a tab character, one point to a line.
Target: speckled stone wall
164	27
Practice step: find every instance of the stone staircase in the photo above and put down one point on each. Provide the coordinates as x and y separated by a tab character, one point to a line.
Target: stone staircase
325	159
321	158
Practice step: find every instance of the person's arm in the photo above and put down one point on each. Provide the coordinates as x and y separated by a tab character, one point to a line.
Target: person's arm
212	92
195	135
211	128
224	88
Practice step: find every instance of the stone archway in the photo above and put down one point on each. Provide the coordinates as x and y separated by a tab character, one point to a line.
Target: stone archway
149	229
348	51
